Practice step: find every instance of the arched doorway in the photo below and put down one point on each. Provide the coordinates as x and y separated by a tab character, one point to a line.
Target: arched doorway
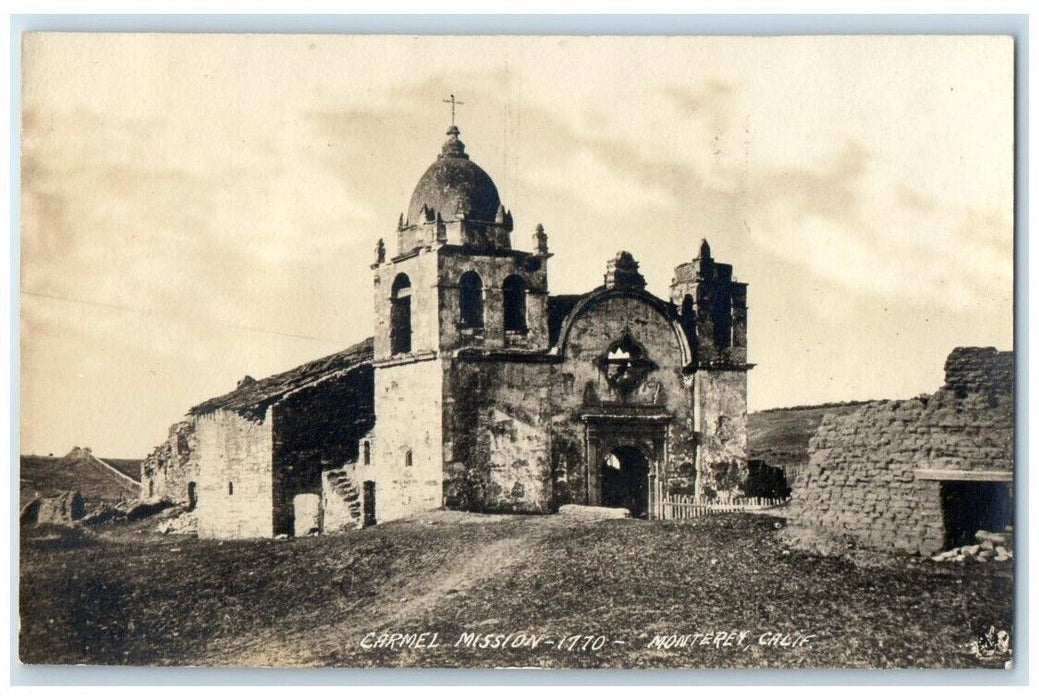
624	480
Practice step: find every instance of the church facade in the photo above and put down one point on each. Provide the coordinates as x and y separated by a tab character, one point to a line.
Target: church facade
479	390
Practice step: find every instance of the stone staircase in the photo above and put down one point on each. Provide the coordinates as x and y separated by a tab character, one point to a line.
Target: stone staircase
341	501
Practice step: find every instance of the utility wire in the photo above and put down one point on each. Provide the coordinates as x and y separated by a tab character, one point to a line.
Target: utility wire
157	314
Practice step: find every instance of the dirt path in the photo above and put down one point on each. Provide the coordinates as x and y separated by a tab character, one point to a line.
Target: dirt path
486	563
400	608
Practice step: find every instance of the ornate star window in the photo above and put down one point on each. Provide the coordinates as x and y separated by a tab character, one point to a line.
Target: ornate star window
625	365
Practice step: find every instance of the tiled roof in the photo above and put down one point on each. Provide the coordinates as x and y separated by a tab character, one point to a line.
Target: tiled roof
257	396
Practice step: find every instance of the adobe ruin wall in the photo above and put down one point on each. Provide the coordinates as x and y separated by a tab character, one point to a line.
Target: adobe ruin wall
867	479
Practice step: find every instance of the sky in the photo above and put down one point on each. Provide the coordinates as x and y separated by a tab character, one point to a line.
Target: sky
195	208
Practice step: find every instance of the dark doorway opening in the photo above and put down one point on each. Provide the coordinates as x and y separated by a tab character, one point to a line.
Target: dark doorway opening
766	481
192	495
625	480
969	506
369	503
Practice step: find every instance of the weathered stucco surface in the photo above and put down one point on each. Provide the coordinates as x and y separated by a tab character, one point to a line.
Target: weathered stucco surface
721	411
493	269
421	269
236	477
611	415
496	447
409	410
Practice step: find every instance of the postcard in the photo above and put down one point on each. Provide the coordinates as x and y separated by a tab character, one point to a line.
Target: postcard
517	351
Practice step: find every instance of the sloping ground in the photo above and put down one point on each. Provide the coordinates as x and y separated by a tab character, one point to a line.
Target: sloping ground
130	467
596	593
45	476
780	436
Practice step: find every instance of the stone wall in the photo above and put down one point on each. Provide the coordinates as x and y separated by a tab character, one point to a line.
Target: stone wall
60	509
496	454
422	271
870	477
721	416
528	434
409	410
582	387
714	309
493	270
236	476
979	371
172	466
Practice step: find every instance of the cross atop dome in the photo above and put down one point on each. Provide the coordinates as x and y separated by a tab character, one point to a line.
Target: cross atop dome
455	201
453	103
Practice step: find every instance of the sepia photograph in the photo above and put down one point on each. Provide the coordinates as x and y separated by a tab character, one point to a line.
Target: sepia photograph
539	351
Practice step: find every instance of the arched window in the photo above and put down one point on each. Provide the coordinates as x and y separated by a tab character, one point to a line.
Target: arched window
230	488
408	459
723	320
367	452
192	495
400	315
470	300
514	293
689	318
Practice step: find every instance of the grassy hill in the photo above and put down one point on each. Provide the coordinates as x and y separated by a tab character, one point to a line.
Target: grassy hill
77	471
780	436
596	594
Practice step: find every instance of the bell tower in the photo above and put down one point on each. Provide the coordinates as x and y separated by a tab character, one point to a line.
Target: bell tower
713	307
713	310
451	284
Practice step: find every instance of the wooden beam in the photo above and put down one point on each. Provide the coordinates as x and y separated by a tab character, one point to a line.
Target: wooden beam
963	475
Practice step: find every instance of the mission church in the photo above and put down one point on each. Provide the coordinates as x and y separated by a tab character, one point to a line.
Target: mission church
479	390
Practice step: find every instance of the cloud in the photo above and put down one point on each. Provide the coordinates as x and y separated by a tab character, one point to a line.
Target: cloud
849	222
188	189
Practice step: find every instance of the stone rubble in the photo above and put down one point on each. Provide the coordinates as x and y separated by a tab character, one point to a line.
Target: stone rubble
183	523
992	546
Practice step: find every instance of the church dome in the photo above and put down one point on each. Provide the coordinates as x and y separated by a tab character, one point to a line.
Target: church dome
454	185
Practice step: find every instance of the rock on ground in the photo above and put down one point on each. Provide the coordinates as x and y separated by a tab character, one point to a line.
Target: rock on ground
593	512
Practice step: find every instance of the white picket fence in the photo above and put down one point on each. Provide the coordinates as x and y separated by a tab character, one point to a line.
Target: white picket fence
687	507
